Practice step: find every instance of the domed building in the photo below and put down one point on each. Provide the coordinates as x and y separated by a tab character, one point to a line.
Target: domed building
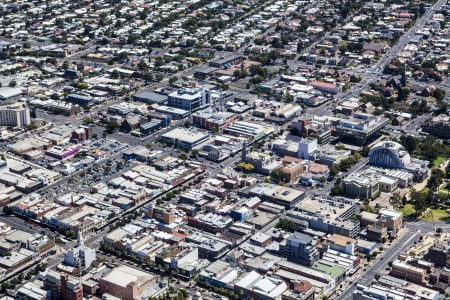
392	155
389	155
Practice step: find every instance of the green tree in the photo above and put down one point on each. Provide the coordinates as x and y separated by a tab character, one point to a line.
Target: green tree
12	83
287	225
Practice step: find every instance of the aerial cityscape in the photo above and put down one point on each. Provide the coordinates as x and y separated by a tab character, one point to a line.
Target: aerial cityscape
228	149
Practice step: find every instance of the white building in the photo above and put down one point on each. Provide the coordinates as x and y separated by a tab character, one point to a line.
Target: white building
80	256
306	147
16	115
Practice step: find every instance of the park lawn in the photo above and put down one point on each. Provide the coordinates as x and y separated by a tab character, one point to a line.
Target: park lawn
407	210
438	161
438	215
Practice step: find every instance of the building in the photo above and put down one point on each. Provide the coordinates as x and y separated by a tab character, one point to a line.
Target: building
253	285
248	130
392	155
62	153
389	287
161	214
263	163
81	256
17	115
326	87
185	138
190	99
81	100
210	120
343	244
392	220
361	128
284	196
438	126
125	282
63	286
151	97
389	155
31	291
327	215
306	147
300	248
439	254
357	185
408	272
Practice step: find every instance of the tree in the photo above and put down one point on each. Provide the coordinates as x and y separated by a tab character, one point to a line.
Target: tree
12	83
420	201
396	200
439	94
409	142
287	225
195	152
183	156
115	74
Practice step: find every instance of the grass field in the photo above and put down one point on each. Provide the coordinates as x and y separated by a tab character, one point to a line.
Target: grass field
438	161
407	210
437	215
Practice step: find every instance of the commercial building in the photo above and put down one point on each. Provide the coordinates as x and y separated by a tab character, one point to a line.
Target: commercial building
62	153
439	254
185	138
263	163
63	286
343	244
300	248
217	120
361	128
389	287
125	282
253	285
81	100
151	97
284	196
408	272
28	144
31	291
190	99
17	115
9	93
327	215
248	130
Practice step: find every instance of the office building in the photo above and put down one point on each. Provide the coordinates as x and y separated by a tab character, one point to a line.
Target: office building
327	215
306	147
185	138
300	248
190	99
16	115
361	128
216	120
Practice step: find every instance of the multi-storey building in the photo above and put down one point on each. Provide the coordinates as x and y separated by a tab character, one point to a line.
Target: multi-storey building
16	115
